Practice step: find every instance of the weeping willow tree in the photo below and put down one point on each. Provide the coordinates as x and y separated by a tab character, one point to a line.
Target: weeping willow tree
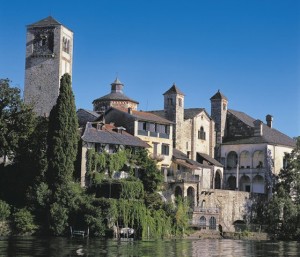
123	201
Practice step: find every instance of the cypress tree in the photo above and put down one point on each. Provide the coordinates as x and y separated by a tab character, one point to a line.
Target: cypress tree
62	136
62	151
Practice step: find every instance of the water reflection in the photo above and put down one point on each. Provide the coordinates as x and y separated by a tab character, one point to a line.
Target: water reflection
58	247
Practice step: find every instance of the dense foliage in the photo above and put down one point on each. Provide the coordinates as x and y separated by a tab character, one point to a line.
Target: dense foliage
282	213
16	120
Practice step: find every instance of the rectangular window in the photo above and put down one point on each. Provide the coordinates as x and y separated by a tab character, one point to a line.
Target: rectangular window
164	149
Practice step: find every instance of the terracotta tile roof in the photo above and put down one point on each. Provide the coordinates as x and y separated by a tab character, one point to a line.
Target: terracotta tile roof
270	135
115	96
108	134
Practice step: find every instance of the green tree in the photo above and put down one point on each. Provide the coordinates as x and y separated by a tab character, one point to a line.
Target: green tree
18	128
149	174
23	221
4	210
16	120
62	136
282	213
62	151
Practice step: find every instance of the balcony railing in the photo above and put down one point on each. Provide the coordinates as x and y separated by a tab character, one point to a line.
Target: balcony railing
207	210
245	170
153	134
183	177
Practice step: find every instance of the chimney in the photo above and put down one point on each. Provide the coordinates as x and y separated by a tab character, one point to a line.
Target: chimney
258	128
269	119
129	110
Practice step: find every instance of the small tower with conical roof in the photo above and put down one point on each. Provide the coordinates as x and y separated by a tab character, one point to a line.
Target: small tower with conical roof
49	55
116	98
219	104
174	111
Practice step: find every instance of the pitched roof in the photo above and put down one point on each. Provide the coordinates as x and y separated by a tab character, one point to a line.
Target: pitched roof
45	22
144	116
108	135
173	89
209	159
178	155
269	135
188	113
192	112
85	116
115	96
218	96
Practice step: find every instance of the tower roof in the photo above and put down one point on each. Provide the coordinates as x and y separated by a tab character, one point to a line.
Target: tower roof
218	96
117	82
45	22
173	89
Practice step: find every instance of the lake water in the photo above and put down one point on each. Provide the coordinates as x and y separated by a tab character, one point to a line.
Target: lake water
58	247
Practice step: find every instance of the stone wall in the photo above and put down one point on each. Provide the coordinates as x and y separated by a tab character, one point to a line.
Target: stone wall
233	206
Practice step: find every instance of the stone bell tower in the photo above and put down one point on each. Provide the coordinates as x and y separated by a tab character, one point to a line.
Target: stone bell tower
49	54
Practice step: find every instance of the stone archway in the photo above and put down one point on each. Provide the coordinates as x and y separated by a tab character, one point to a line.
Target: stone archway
178	192
191	196
258	184
231	183
218	179
245	184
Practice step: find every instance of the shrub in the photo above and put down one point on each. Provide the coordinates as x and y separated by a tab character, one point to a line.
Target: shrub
4	210
23	221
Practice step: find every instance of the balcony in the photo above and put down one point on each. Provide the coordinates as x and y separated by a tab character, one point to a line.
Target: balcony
153	134
183	177
207	210
245	170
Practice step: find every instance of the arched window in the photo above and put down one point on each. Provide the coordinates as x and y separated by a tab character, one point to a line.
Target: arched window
178	191
232	159
212	223
180	102
218	180
202	222
231	182
191	196
201	133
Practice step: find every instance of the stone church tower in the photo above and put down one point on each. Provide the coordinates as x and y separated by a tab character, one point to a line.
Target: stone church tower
219	104
49	54
174	111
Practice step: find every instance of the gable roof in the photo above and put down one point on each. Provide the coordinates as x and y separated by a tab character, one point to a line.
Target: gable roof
269	135
178	155
108	135
209	159
85	116
188	113
144	116
45	22
173	89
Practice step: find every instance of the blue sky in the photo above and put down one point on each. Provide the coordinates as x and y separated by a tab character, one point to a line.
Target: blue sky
249	50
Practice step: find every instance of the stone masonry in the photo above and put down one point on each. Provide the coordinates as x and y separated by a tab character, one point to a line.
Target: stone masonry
49	50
